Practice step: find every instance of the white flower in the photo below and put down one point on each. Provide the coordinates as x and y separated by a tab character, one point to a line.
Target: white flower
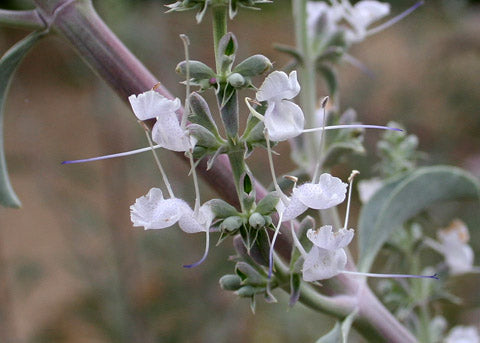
192	222
327	257
458	254
283	118
328	192
367	188
317	10
167	131
463	334
362	15
453	245
154	212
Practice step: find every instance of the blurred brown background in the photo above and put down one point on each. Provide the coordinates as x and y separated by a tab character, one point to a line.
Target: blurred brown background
76	271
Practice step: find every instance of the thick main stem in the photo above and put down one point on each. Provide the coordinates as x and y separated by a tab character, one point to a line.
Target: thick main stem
102	50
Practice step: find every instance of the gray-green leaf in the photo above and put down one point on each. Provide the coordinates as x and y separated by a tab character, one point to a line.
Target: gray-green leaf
401	199
8	64
339	333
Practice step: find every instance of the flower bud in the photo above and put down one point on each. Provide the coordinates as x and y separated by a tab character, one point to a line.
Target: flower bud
230	282
236	80
197	70
249	275
253	66
231	223
256	220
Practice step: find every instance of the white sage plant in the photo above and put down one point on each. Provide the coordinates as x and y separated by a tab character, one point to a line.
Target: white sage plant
313	264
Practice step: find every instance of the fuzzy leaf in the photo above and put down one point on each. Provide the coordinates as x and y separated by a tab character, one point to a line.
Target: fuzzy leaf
339	333
8	64
401	199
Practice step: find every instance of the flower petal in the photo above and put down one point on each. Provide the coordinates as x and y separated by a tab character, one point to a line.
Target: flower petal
168	133
321	264
367	12
154	212
325	238
200	222
292	210
328	192
151	104
278	86
284	120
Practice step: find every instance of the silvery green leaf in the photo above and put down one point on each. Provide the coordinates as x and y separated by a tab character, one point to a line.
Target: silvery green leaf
330	77
203	136
8	64
267	205
401	199
201	114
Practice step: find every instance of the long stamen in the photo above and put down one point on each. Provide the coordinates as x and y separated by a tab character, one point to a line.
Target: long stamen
272	167
395	276
186	113
352	126
270	255
296	242
205	254
120	154
186	43
394	20
322	139
157	161
138	151
350	179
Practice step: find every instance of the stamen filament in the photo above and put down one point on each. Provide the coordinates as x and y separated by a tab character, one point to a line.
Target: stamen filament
296	242
120	154
395	276
159	165
394	20
350	179
186	112
272	168
352	126
205	254
270	255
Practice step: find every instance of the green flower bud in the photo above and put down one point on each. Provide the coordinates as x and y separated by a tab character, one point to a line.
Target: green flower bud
198	70
256	220
231	223
236	80
253	66
230	282
249	275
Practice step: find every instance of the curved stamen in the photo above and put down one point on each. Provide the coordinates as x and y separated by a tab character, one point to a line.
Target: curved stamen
270	255
394	20
120	154
395	276
296	242
205	254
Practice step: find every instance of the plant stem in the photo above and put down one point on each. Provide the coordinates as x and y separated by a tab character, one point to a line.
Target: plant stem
219	22
306	72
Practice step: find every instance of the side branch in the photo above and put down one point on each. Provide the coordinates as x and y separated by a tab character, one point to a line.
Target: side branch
30	20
